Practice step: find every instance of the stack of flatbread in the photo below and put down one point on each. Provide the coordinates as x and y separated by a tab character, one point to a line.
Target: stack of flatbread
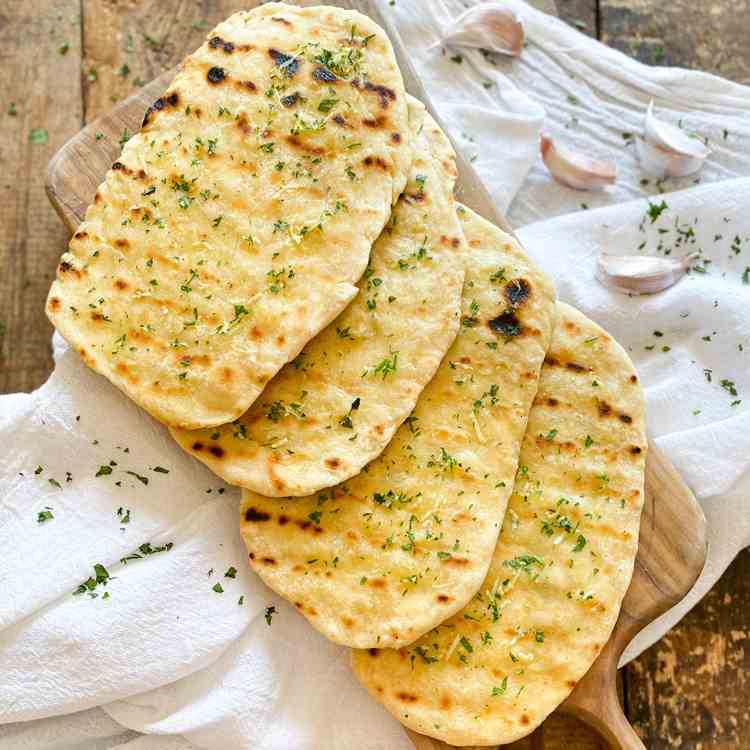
442	467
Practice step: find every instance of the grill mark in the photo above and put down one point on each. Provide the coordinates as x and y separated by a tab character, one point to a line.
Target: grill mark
218	43
384	94
169	100
216	75
374	122
288	63
298	143
255	515
321	73
291	99
517	291
506	324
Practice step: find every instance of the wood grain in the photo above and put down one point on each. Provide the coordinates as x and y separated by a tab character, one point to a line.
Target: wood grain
128	43
703	35
690	689
672	547
43	88
582	14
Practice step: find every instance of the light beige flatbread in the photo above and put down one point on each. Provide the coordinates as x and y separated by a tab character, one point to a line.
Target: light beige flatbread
563	562
234	225
388	555
337	406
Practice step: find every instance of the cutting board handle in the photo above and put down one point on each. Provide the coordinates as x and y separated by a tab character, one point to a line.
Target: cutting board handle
610	722
601	710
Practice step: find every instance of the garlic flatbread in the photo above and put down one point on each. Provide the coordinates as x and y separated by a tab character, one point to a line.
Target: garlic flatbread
561	568
388	555
234	225
337	406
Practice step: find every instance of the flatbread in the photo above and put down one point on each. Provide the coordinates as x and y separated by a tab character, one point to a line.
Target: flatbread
563	562
233	226
384	557
337	406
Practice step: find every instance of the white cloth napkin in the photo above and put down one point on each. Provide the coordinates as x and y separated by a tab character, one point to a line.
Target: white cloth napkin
167	653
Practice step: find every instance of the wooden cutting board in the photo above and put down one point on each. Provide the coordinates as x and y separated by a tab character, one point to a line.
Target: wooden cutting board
672	547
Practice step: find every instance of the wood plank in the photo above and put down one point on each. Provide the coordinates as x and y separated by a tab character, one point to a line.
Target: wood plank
127	44
40	52
582	14
702	35
690	689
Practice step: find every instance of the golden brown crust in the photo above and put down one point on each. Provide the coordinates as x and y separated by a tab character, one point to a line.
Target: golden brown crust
228	233
331	412
398	548
561	567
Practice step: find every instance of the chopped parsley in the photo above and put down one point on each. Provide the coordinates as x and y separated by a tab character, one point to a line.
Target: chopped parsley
38	135
729	386
498	277
654	211
502	689
389	498
270	612
279	409
139	477
386	366
466	644
524	562
426	658
346	420
100	577
326	105
443	460
471	320
146	549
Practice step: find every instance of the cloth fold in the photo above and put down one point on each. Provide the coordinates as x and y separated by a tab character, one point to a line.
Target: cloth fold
187	642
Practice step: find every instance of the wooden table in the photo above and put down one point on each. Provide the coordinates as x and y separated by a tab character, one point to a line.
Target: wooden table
63	62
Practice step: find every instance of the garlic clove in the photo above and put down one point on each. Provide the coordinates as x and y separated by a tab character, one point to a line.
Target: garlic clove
574	169
666	151
492	26
641	274
672	138
658	162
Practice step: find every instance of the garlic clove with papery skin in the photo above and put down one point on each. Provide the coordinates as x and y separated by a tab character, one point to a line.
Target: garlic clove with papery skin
667	151
641	274
574	169
491	26
658	162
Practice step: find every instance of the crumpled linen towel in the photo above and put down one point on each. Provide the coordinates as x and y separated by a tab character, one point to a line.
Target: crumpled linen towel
167	653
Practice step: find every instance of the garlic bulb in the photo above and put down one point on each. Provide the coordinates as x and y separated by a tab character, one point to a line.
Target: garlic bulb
576	170
492	26
666	151
641	274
